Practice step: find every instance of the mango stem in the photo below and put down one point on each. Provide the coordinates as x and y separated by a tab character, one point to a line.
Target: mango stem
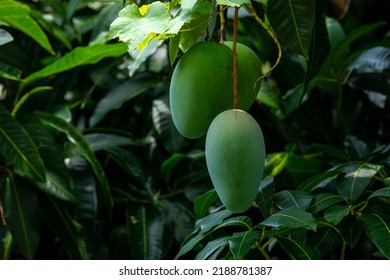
234	50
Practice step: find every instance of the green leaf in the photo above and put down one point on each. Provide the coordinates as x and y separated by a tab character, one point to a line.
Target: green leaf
233	3
9	72
324	241
17	15
298	250
140	56
163	123
336	213
68	230
351	230
241	242
357	178
105	141
371	82
116	97
145	228
292	198
319	181
322	201
17	147
385	192
5	37
239	221
378	230
22	215
203	203
137	26
190	244
293	22
78	57
85	150
264	196
212	220
213	247
291	217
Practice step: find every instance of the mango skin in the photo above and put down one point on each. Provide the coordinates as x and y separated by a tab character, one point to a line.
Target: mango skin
235	158
201	87
249	71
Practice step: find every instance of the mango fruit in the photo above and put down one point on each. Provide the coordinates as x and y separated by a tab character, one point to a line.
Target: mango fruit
201	87
235	158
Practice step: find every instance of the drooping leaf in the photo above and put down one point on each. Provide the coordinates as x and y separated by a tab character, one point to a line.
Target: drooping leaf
378	230
17	147
163	123
22	216
264	196
66	227
212	247
75	137
298	250
17	15
351	230
136	26
116	97
293	22
322	201
78	57
145	229
293	198
291	217
336	213
241	242
357	178
204	202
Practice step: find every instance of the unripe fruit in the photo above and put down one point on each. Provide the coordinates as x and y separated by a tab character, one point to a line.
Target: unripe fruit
201	87
235	157
249	71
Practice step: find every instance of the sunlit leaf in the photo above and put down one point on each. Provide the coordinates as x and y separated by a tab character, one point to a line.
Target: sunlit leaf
232	3
378	230
292	198
320	180
241	242
291	217
322	201
5	37
336	213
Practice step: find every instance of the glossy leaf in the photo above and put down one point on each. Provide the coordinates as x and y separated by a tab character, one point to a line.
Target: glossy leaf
5	37
264	196
104	141
212	220
298	250
322	201
324	241
17	15
190	244
77	57
378	230
319	181
336	213
385	192
293	22
145	228
117	96
357	178
212	247
239	221
292	218
376	59
9	72
17	146
203	203
22	216
66	227
75	137
163	123
241	242
292	198
351	230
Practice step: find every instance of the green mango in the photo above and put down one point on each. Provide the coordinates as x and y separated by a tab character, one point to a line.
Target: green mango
235	158
201	87
249	71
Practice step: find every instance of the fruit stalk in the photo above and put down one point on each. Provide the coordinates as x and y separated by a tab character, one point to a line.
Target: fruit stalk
234	50
222	18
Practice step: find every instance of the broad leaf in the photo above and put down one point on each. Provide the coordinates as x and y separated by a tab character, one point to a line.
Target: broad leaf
203	203
322	201
378	230
212	247
336	213
293	22
357	178
163	123
298	250
17	147
385	192
17	15
241	242
292	218
22	216
116	97
319	181
324	241
238	221
145	229
190	244
68	230
292	198
78	57
351	230
212	220
264	196
85	150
